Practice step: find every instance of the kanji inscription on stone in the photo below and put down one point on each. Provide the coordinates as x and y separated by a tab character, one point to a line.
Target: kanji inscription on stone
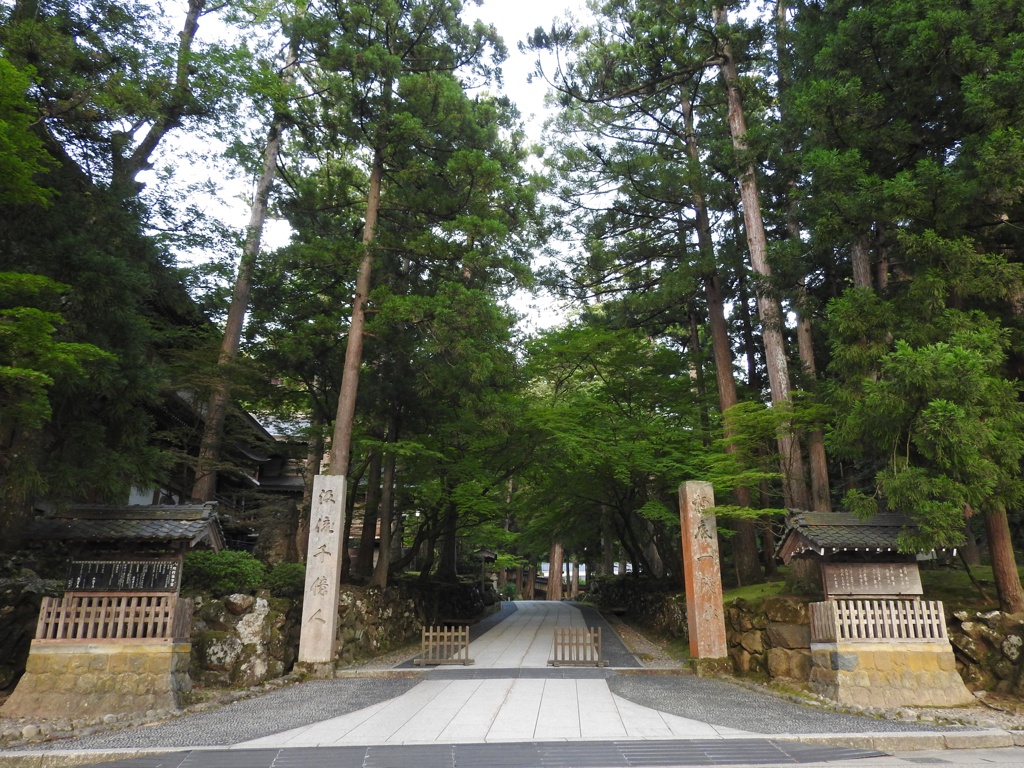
705	615
318	641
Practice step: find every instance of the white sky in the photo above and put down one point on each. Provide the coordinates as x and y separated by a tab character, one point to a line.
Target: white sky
514	20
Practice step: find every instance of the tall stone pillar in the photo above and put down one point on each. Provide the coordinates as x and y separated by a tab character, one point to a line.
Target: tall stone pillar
705	615
319	630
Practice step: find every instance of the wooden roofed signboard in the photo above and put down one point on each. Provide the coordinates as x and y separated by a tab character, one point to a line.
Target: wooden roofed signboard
868	580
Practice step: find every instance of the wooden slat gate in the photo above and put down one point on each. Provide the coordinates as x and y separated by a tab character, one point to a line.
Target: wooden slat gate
444	645
847	621
577	647
114	618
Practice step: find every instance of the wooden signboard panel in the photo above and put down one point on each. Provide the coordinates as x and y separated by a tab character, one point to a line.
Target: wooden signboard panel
124	576
871	580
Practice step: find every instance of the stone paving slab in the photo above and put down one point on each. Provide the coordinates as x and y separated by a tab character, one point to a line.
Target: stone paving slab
593	754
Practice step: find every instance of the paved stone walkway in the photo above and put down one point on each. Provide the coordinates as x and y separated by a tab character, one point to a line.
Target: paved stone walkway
506	707
509	708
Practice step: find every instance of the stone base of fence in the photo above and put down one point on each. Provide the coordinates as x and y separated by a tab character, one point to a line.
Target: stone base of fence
888	675
71	680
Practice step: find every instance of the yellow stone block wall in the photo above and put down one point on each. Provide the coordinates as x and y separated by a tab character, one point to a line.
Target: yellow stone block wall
90	679
887	674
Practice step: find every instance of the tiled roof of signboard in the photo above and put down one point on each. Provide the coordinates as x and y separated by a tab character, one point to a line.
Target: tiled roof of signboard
826	532
841	529
190	523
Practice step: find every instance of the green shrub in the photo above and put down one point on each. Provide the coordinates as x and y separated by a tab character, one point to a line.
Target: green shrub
222	573
287	579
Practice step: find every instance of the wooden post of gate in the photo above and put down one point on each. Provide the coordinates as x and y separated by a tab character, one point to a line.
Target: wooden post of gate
705	615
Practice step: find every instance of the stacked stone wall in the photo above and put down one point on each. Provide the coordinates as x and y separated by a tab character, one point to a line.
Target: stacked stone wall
242	640
373	621
70	680
650	603
20	597
989	649
770	637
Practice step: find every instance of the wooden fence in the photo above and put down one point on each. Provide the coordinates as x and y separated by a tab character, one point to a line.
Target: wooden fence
577	647
845	621
444	645
113	617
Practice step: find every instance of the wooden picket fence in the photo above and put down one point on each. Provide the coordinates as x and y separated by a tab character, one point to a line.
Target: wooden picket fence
114	617
444	645
845	621
577	647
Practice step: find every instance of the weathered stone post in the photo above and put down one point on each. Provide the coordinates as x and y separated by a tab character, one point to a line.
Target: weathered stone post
705	615
318	641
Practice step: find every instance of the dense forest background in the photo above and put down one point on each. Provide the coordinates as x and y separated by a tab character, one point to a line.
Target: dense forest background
795	269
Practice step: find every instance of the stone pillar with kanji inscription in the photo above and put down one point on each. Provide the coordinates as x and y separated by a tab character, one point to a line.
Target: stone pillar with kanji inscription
705	615
319	631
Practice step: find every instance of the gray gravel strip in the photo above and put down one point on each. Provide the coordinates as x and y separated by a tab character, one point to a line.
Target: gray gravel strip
720	702
277	711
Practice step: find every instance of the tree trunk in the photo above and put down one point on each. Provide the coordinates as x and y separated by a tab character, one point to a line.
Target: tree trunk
363	567
530	584
387	507
972	556
177	106
555	560
341	443
607	542
745	541
860	261
750	346
205	484
821	498
768	306
697	372
1004	564
447	561
314	457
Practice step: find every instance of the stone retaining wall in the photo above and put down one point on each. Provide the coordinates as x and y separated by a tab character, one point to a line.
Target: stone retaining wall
771	637
373	621
70	680
647	602
989	649
242	640
20	597
888	675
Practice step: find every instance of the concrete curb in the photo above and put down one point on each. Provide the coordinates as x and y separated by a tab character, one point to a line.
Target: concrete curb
57	758
370	674
913	741
883	742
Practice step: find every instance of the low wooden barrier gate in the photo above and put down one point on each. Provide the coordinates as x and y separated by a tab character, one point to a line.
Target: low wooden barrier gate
114	617
444	645
577	647
845	621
